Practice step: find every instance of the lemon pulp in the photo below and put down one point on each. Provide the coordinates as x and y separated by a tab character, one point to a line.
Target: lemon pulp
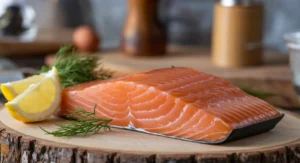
39	101
11	90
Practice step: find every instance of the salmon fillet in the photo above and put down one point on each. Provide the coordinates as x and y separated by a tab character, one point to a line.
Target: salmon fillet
178	102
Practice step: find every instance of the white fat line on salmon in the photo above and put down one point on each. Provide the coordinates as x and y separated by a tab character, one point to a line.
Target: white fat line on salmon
133	86
157	108
103	93
93	102
174	110
261	108
90	108
265	106
237	107
190	84
254	107
211	91
112	98
101	88
223	92
201	131
217	114
242	108
180	78
261	103
190	128
196	126
146	92
168	86
191	119
223	112
229	106
150	100
177	118
182	113
71	93
161	106
130	116
222	135
162	135
247	122
94	97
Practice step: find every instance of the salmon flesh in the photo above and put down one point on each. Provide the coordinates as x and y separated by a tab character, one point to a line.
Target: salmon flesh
180	103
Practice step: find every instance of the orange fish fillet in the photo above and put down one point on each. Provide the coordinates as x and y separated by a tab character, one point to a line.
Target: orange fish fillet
177	102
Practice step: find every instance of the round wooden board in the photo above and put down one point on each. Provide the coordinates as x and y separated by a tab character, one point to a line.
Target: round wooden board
27	142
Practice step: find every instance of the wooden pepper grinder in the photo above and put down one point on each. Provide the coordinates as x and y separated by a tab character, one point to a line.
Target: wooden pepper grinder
143	35
237	33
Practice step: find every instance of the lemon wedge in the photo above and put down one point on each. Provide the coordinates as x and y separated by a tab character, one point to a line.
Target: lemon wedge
39	101
10	90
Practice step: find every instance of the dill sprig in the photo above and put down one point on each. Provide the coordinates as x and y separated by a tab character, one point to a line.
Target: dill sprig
81	123
74	69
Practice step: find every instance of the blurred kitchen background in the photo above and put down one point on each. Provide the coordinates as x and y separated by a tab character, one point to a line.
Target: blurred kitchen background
243	43
187	21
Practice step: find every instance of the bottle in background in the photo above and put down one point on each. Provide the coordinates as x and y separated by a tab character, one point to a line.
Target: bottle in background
237	33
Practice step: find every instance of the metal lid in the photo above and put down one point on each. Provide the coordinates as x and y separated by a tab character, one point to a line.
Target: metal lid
230	3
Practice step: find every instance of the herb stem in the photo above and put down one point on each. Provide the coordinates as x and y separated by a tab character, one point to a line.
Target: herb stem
85	123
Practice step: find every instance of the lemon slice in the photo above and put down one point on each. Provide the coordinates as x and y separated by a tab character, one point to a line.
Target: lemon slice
39	101
11	90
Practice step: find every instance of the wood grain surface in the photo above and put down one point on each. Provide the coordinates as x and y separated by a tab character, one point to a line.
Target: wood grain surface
21	142
275	65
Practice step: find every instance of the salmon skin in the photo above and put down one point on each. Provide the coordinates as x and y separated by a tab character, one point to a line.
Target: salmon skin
179	103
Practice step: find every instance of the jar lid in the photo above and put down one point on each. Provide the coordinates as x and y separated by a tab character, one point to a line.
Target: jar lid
230	3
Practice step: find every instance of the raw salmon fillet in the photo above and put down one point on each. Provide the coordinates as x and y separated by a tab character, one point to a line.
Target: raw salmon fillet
178	102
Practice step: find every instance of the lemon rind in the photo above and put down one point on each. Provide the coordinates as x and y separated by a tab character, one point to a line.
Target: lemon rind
7	87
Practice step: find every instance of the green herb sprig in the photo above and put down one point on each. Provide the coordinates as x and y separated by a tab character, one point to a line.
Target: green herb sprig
74	69
85	123
258	94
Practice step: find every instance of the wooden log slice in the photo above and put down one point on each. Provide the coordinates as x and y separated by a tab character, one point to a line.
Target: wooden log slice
21	142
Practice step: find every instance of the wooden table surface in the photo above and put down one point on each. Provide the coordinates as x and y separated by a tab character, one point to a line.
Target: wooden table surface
273	76
275	65
46	41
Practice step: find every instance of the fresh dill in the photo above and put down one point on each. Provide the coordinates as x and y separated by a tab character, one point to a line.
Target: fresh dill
74	68
81	123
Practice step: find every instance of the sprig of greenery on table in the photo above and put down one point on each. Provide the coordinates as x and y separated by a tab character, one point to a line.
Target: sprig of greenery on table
85	122
258	94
